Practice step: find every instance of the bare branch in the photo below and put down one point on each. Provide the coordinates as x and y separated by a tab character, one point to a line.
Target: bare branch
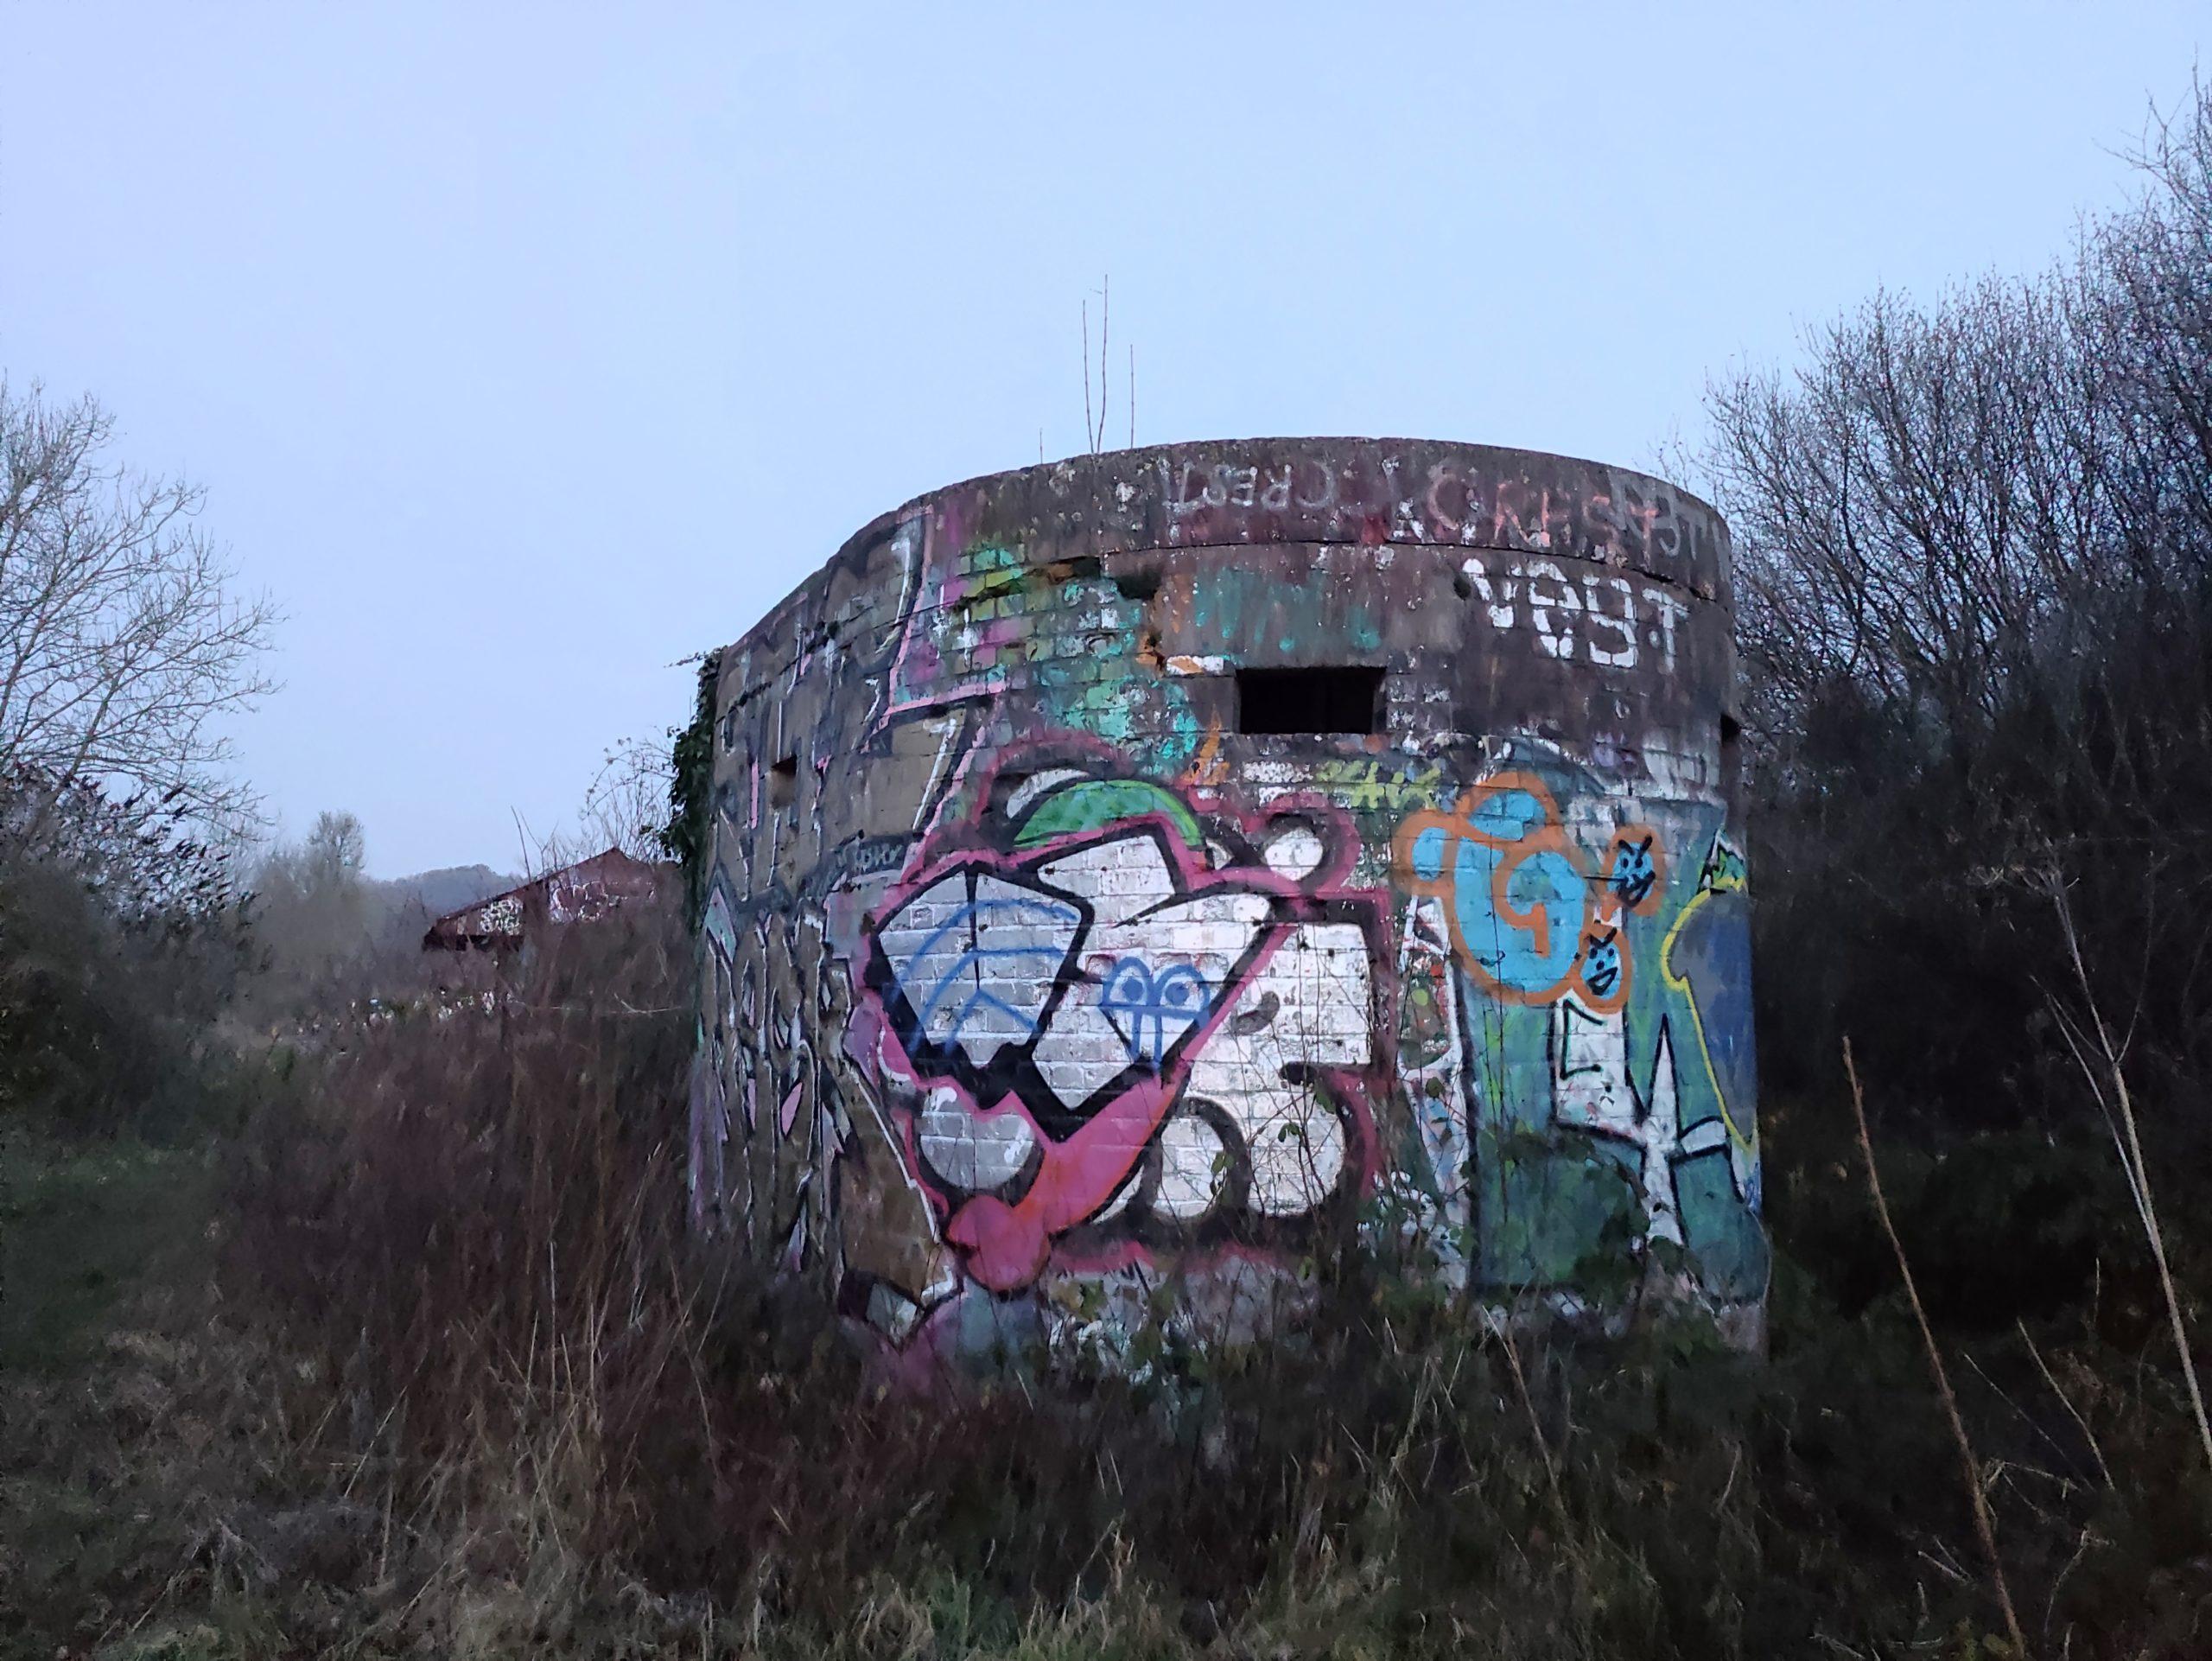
127	647
1984	1526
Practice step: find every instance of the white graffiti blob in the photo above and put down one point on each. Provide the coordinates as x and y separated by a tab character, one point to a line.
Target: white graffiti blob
971	1150
979	957
1436	1087
1151	963
1306	1008
1593	1093
1590	1092
1193	1163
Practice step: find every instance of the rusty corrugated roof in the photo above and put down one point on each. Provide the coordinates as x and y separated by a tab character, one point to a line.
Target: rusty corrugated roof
574	893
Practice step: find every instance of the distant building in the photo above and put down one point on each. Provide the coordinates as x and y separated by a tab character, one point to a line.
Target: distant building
581	893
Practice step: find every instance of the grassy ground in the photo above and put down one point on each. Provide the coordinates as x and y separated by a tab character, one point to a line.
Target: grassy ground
416	1364
108	1455
91	1229
156	1498
178	1481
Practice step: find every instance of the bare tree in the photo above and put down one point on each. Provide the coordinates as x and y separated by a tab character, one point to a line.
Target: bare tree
336	854
1931	508
1975	586
123	644
312	910
627	805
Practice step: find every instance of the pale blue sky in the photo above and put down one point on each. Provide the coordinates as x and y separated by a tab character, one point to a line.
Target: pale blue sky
523	351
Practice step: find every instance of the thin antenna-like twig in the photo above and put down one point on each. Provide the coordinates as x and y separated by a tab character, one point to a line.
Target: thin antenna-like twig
2129	1144
2066	1401
1503	1328
523	843
1983	1524
1105	326
1133	395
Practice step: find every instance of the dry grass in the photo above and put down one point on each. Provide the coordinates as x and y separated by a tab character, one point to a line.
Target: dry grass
454	1386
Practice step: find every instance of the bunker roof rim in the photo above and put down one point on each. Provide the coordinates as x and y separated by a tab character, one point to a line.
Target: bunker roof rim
1131	461
1214	446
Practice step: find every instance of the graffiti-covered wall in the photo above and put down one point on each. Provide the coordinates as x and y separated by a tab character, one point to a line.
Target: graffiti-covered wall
1134	877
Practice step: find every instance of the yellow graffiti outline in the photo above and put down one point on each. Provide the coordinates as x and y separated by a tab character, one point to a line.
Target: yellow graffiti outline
1206	771
1749	1144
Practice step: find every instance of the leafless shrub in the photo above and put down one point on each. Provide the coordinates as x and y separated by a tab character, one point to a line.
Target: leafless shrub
1974	574
626	806
125	643
1977	1498
123	939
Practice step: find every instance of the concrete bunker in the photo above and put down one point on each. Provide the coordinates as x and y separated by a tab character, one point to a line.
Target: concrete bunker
1135	871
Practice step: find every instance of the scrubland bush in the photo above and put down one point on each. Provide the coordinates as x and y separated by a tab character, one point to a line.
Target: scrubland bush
1975	544
470	1231
121	939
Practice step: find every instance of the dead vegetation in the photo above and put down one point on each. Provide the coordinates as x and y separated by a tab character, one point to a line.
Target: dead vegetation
438	1376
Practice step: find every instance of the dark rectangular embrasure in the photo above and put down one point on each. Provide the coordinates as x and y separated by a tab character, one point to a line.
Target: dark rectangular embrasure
1345	699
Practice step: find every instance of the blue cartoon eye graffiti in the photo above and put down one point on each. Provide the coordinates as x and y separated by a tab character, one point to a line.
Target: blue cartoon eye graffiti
1636	871
1601	961
1152	1010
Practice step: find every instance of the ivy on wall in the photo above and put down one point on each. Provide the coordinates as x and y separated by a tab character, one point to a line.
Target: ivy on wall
688	832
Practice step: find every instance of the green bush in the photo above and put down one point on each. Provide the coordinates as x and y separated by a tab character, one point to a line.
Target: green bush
108	1017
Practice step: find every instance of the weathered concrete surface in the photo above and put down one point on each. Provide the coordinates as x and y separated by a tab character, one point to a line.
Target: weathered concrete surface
1030	982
